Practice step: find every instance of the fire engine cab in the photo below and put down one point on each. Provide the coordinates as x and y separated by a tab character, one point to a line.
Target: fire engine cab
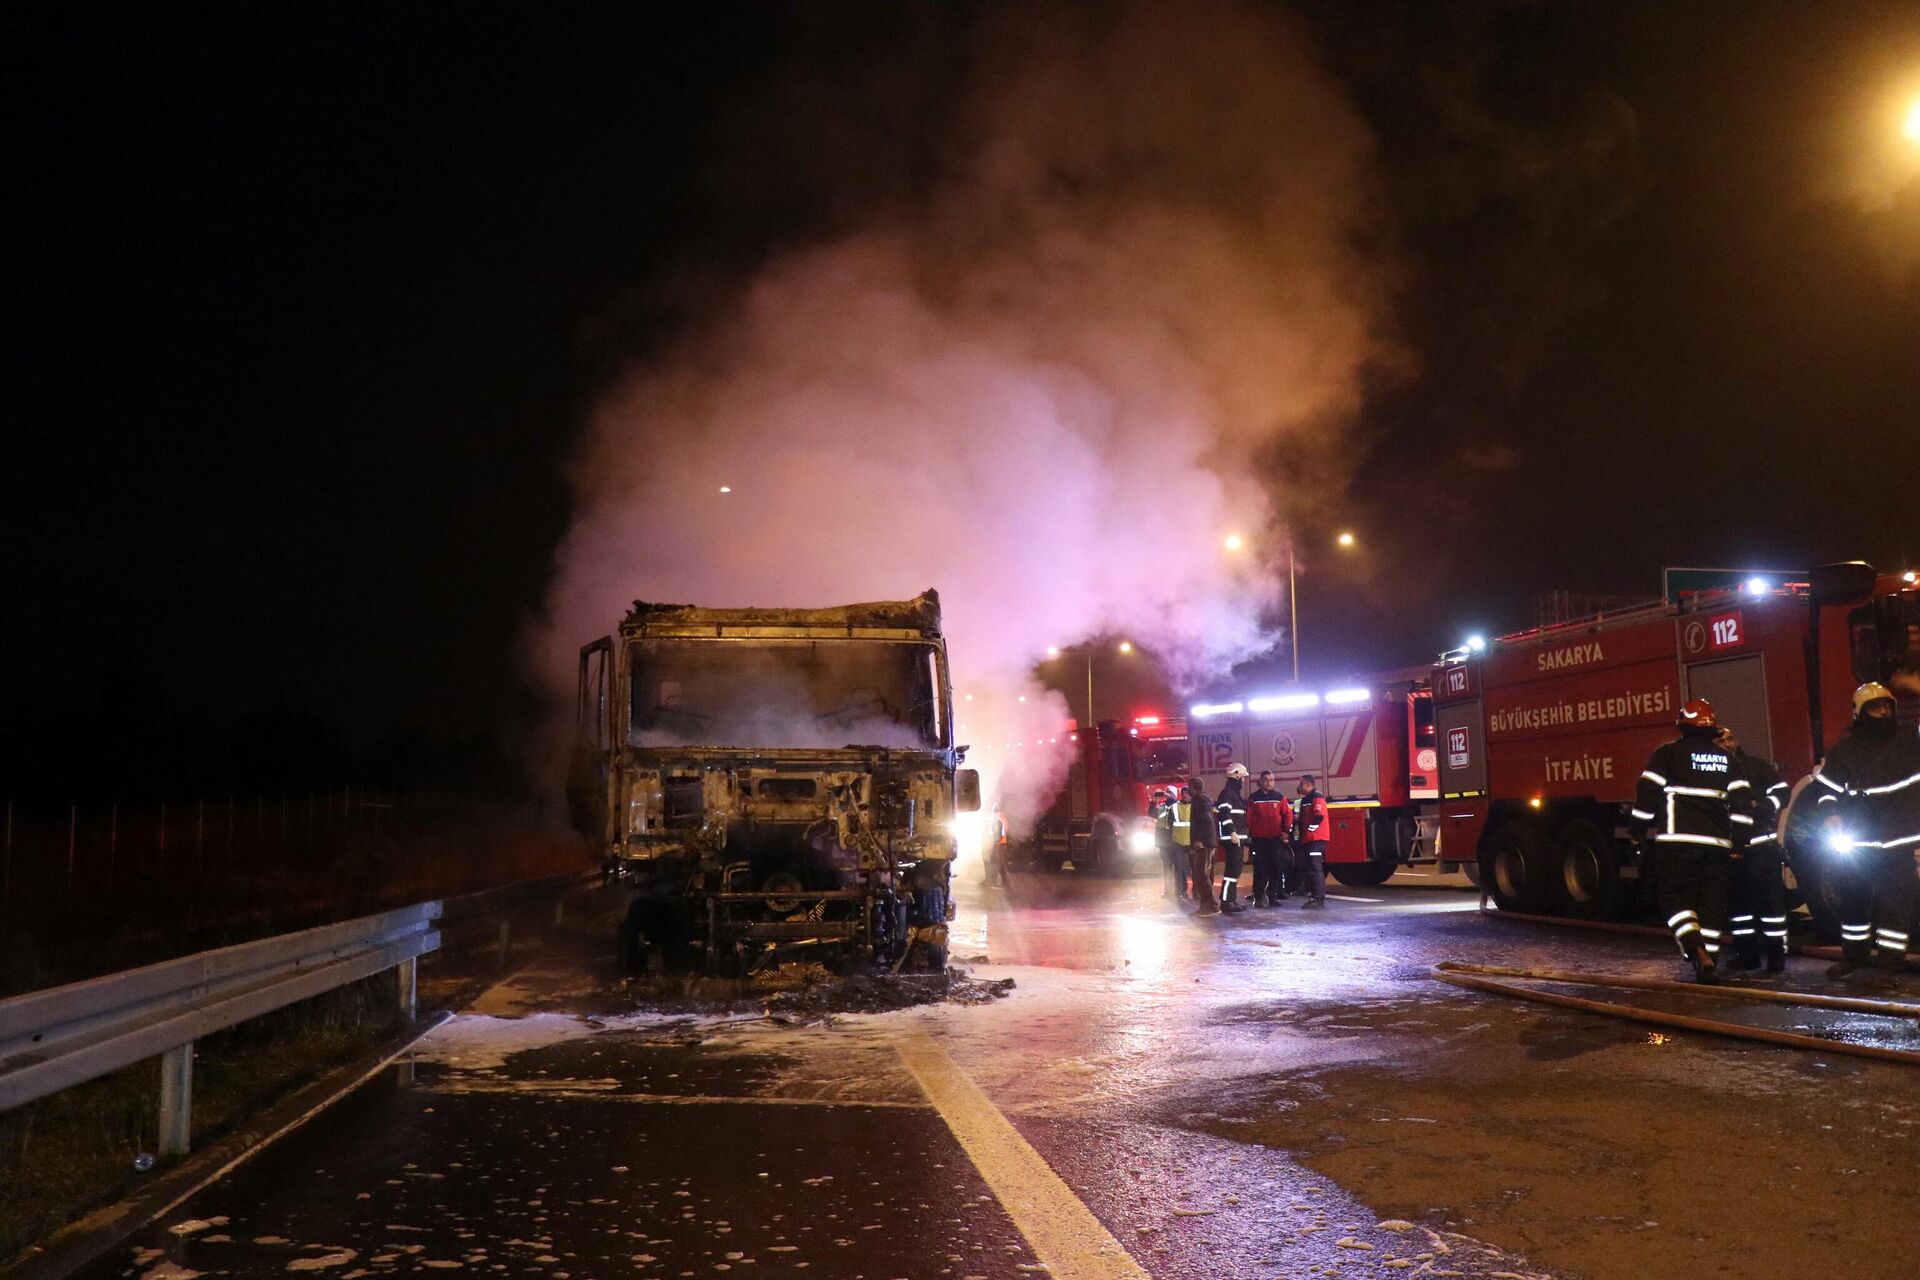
1099	819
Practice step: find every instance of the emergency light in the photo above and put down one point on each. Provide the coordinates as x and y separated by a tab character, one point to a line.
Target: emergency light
1840	842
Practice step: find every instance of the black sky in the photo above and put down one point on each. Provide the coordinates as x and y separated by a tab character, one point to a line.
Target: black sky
305	302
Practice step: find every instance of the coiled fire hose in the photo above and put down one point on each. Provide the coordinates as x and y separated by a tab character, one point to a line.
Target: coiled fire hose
1482	977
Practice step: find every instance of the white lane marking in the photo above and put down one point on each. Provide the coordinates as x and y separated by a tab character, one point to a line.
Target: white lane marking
1347	898
1062	1231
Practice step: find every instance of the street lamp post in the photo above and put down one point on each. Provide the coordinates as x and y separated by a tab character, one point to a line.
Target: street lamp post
1346	541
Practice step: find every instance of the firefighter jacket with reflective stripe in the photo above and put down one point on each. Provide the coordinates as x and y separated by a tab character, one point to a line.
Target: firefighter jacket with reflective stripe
1230	811
1268	814
1310	819
1692	793
1768	797
1875	788
1179	820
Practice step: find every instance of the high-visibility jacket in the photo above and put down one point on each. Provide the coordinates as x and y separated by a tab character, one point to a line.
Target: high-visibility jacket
1181	822
1693	793
1268	814
1874	787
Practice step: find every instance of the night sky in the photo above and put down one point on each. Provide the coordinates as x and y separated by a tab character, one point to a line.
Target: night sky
306	303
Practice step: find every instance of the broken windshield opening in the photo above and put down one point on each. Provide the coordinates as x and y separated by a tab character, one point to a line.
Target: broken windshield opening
785	693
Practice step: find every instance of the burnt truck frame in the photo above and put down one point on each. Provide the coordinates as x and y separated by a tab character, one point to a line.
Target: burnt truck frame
774	783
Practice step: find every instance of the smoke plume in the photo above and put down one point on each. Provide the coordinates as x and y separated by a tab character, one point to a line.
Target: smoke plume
1041	384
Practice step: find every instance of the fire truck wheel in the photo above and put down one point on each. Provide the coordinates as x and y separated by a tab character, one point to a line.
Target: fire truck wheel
1105	849
1516	866
1362	875
1588	886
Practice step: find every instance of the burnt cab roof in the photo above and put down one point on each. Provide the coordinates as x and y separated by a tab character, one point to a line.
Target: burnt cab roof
918	618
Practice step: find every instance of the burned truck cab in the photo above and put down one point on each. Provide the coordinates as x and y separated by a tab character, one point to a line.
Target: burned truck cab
774	784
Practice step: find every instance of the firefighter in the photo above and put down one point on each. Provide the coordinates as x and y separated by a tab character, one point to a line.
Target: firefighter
1174	872
1230	815
1179	820
1310	833
994	868
1692	799
1869	821
1268	816
1757	927
1205	835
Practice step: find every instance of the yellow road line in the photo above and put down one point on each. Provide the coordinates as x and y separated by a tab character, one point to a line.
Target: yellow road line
1063	1232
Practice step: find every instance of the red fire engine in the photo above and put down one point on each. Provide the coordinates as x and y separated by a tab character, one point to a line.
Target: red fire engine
1542	734
1099	819
1370	747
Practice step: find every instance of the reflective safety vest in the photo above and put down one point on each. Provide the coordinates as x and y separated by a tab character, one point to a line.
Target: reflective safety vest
1182	823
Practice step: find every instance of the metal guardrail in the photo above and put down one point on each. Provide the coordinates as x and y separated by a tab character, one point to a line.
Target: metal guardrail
54	1039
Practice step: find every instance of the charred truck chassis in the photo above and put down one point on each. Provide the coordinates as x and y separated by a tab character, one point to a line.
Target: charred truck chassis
704	773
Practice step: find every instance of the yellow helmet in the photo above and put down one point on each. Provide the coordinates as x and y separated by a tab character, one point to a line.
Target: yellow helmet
1872	691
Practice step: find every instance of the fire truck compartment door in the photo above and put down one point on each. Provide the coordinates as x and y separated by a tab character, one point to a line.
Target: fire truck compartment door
1737	688
1460	728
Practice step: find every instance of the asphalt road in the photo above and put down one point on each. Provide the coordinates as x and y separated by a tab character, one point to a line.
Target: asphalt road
1277	1093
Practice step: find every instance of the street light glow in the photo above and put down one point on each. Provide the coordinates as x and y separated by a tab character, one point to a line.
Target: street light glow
726	488
1345	539
1233	542
1912	127
1126	646
1053	651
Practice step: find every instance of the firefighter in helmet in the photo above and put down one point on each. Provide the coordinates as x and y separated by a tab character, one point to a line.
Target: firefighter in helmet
1868	817
1690	802
1757	927
1230	816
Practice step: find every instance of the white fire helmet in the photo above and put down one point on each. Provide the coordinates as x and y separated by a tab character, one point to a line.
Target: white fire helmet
1236	771
1870	692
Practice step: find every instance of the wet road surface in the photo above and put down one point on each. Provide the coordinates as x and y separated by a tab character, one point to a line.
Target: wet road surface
1277	1093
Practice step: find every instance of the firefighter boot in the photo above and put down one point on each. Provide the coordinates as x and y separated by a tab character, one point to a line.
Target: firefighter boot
1704	969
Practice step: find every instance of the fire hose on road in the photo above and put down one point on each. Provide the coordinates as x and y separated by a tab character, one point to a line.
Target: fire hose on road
1480	977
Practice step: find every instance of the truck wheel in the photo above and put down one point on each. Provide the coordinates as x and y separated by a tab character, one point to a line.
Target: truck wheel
1515	867
1362	875
1588	886
1105	850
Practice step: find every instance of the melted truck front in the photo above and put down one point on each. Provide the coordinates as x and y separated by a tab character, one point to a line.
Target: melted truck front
774	783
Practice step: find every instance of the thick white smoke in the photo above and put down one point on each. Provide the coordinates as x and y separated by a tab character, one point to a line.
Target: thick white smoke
1044	390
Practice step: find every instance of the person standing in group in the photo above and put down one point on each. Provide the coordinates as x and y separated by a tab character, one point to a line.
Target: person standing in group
1205	835
1268	816
1757	927
1310	833
1692	799
1230	816
1169	819
1868	813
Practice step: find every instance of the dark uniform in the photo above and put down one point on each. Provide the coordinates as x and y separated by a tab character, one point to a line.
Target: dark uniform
1690	800
1205	835
1870	783
1757	927
1310	833
1230	816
